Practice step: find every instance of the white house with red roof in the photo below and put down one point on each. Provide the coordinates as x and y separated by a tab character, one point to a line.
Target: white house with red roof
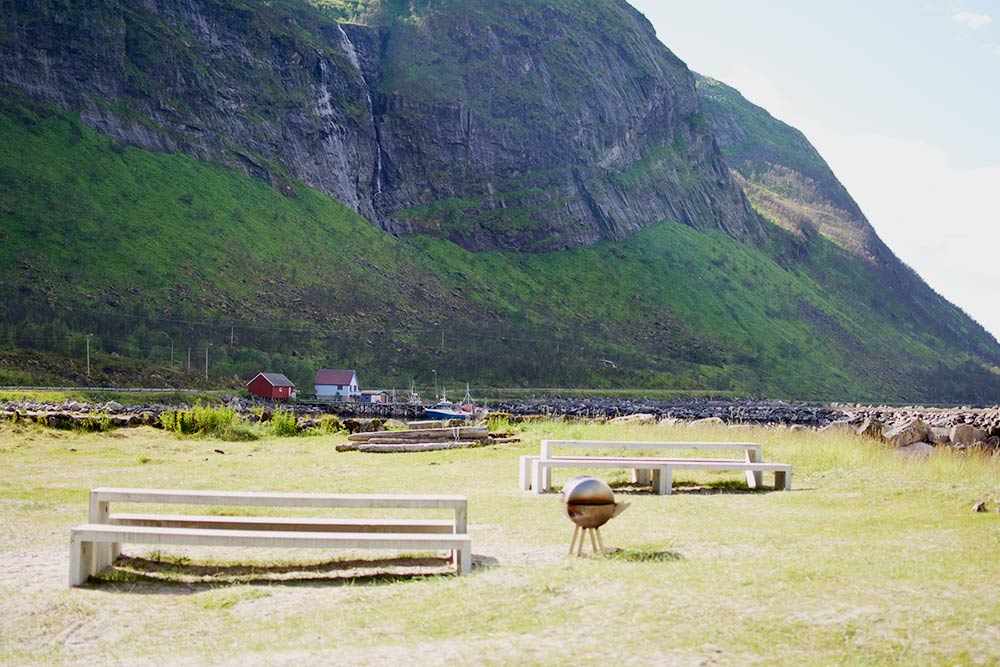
337	384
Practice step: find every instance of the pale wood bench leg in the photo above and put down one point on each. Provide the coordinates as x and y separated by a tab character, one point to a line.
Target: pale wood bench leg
524	472
663	481
105	553
465	560
755	478
541	477
641	476
783	480
81	561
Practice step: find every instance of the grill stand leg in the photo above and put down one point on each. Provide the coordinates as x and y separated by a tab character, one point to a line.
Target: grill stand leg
596	543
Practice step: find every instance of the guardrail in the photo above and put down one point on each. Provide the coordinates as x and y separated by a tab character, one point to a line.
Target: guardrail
138	390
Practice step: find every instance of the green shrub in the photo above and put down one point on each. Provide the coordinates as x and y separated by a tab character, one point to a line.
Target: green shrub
284	423
329	424
220	422
95	422
238	432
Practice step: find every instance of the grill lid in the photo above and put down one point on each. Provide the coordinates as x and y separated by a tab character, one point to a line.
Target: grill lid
586	490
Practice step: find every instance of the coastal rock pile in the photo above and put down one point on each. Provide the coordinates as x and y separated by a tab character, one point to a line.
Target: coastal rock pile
73	414
758	412
919	429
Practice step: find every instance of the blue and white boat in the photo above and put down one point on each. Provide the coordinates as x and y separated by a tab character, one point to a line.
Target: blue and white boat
445	409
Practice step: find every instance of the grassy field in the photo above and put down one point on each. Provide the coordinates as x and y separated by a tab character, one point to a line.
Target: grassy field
871	559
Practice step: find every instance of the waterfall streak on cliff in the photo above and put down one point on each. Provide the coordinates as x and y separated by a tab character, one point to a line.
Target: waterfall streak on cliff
352	55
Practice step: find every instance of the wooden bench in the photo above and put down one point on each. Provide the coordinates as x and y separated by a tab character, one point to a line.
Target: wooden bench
95	545
535	471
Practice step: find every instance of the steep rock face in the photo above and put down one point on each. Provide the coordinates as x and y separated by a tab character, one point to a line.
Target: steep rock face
498	124
546	125
246	86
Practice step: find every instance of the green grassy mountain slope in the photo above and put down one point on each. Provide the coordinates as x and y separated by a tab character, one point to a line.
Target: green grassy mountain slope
788	182
154	254
497	124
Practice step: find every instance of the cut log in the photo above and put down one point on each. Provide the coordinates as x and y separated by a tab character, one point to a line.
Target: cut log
437	423
416	446
426	434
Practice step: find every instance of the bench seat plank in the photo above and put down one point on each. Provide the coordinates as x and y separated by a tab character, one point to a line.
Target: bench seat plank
83	537
271	499
662	468
284	523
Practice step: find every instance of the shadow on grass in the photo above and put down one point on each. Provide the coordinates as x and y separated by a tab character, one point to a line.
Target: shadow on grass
171	576
641	555
689	487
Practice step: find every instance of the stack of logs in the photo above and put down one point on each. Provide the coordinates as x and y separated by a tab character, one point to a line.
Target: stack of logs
424	437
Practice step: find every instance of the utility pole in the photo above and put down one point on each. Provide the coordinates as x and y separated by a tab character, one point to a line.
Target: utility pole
88	356
232	332
171	351
206	361
189	359
435	383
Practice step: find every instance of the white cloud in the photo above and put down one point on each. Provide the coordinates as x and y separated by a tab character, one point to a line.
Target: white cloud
994	49
971	19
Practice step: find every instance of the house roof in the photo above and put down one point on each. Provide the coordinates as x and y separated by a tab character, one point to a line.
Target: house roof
274	379
335	377
373	392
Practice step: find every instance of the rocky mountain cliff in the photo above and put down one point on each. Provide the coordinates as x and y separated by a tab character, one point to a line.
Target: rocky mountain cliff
566	205
410	121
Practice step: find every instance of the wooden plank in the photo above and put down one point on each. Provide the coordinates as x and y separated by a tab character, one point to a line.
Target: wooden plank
655	444
272	499
662	469
266	538
418	441
396	447
84	537
455	432
284	523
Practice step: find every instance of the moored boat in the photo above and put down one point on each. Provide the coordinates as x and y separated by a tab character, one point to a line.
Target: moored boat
445	409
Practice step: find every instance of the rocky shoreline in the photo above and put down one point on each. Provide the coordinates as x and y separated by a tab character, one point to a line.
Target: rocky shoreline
901	426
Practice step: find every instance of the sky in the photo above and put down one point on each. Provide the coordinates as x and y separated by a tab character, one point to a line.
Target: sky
900	97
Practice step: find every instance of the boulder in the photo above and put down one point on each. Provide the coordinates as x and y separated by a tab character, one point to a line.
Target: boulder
966	434
909	432
707	421
839	427
941	435
916	449
638	417
870	428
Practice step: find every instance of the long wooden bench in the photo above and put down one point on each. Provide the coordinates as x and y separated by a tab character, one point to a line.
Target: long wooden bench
95	545
752	452
535	472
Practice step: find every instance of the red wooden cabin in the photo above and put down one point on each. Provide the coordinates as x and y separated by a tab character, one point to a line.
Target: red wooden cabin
271	385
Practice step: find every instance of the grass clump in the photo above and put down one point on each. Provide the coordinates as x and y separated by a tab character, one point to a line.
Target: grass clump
284	423
215	421
95	422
